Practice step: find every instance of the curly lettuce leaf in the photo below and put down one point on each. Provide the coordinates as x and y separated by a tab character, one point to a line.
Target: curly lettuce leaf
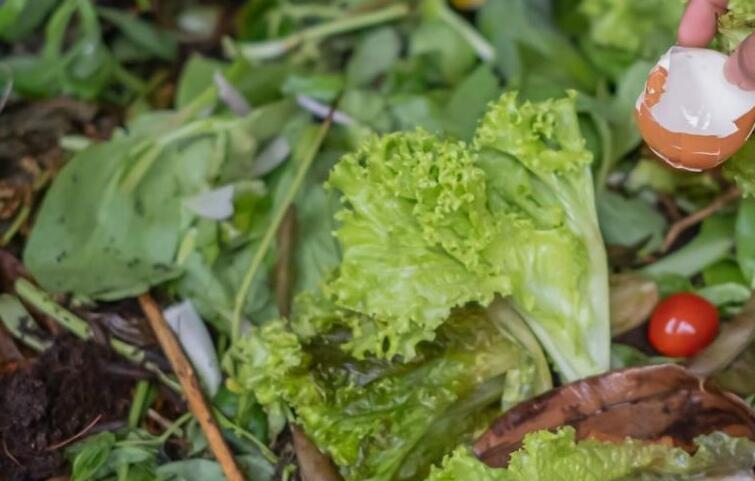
736	24
382	420
413	232
741	169
540	186
430	224
547	456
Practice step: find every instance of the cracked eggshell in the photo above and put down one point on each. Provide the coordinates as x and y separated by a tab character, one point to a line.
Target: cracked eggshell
689	114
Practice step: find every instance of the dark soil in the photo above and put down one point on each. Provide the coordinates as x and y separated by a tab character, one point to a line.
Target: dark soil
56	400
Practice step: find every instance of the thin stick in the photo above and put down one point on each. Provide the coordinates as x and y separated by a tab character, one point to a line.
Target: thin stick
190	384
685	223
76	436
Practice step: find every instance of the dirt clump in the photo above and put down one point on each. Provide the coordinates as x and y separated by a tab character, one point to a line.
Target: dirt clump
71	390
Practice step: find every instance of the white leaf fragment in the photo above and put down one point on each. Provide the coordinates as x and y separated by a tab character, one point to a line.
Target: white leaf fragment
321	110
215	204
231	96
185	322
271	157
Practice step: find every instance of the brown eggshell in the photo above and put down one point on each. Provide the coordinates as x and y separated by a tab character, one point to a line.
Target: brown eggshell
682	150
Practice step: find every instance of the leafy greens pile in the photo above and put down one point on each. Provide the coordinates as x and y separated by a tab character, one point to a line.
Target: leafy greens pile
448	237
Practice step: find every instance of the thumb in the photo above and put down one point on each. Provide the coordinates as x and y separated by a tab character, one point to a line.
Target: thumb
740	67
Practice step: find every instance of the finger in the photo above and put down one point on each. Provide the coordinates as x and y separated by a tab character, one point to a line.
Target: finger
740	67
699	22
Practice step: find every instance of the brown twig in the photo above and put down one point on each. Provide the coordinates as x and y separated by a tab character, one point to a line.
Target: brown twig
685	223
190	384
76	436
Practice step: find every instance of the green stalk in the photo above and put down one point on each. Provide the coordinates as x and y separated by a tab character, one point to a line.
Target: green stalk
138	404
44	303
174	428
16	319
15	226
276	48
226	423
272	229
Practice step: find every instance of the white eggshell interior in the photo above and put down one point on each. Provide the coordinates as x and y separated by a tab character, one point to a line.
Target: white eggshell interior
697	98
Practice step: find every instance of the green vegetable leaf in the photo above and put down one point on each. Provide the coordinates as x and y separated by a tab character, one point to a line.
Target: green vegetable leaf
324	87
712	243
530	47
623	31
383	420
195	78
744	239
444	47
207	470
116	216
429	224
623	355
317	253
741	169
628	222
93	456
469	100
154	40
18	18
725	294
546	456
736	24
375	53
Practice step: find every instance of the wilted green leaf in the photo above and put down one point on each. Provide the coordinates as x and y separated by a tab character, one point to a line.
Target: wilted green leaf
375	53
155	40
627	222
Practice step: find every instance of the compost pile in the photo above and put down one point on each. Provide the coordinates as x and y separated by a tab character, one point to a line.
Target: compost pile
363	240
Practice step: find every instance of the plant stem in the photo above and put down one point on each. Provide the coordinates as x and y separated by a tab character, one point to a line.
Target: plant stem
276	48
137	406
23	214
272	229
226	423
16	319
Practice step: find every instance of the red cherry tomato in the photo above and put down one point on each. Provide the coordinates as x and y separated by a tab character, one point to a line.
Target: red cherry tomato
682	325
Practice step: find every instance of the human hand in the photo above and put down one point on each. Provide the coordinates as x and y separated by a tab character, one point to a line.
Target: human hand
697	29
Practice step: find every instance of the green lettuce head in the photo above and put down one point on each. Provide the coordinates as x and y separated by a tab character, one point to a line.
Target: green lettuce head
429	224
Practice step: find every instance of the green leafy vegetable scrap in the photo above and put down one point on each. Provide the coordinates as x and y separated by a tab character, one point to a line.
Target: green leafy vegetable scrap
429	224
